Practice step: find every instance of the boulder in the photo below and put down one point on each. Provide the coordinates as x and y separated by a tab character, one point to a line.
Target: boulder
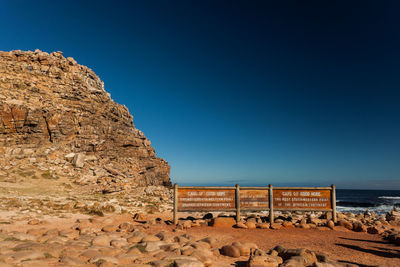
203	255
346	224
373	230
287	224
240	225
230	251
102	240
152	245
331	224
304	256
185	224
188	263
276	226
212	241
359	227
263	225
251	225
109	228
78	160
264	261
245	248
223	222
150	238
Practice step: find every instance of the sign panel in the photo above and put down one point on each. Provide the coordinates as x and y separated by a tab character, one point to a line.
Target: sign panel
302	199
254	198
206	199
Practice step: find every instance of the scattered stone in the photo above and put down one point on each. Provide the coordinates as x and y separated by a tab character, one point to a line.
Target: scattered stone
71	261
245	248
188	263
210	240
359	227
119	243
79	160
108	259
251	225
90	253
109	228
223	222
263	225
346	224
126	226
230	251
276	226
150	238
240	225
331	224
373	230
34	222
27	255
287	224
186	224
102	240
264	261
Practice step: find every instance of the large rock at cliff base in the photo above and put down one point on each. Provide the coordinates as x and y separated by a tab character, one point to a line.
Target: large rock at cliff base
52	108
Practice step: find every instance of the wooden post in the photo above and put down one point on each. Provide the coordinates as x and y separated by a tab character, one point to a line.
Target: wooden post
271	205
175	204
237	198
333	196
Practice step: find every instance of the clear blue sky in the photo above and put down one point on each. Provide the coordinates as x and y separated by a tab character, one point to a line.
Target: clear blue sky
249	92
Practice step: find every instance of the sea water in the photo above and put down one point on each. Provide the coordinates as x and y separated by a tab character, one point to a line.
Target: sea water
358	201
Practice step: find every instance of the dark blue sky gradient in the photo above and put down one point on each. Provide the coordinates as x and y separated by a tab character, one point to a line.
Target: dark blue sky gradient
250	92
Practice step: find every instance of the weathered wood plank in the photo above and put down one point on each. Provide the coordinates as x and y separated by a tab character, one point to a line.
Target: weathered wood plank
201	198
254	198
229	198
295	198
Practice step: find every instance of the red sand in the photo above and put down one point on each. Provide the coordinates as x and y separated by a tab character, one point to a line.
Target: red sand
341	245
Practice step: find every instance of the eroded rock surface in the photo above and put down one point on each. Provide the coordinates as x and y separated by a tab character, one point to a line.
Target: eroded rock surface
56	120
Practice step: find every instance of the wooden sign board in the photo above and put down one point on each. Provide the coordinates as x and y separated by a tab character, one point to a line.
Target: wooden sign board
254	198
192	199
298	199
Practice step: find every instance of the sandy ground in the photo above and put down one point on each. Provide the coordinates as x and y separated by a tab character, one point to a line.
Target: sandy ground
340	244
344	246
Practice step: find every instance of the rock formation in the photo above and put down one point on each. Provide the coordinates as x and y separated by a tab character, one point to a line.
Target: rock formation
57	120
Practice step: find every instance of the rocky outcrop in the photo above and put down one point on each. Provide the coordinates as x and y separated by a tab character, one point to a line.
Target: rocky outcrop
56	119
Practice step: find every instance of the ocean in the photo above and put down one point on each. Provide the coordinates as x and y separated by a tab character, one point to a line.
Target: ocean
357	201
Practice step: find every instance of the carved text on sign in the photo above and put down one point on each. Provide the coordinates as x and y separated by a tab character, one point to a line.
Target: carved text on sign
254	198
302	199
200	199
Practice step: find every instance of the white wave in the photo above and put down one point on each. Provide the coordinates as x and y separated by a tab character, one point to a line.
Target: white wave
389	197
346	209
382	209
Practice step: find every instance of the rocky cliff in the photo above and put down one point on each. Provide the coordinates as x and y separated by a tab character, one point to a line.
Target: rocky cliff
56	120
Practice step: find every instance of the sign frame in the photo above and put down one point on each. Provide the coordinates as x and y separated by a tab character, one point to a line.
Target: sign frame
237	203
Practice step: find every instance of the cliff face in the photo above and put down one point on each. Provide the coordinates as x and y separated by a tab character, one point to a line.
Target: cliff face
56	119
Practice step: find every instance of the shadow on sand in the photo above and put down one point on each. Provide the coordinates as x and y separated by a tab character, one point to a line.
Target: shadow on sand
244	263
240	263
379	253
358	264
365	240
388	249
